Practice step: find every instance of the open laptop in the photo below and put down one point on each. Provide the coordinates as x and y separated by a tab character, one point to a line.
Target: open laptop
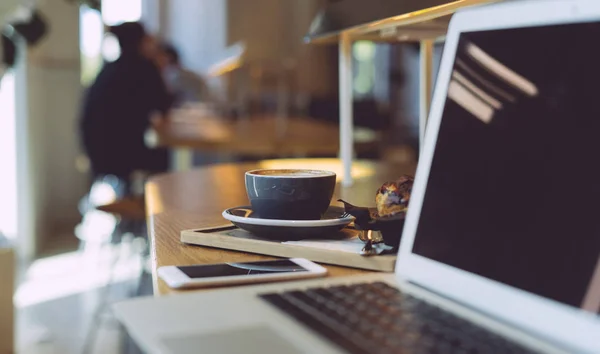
501	248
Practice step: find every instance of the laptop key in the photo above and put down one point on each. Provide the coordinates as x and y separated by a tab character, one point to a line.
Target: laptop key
318	323
377	318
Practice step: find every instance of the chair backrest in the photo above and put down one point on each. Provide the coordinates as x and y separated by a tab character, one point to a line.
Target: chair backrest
7	278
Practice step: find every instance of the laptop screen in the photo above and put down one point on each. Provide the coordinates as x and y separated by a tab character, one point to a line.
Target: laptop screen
514	188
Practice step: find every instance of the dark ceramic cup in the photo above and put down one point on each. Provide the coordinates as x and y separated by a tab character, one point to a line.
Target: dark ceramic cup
290	194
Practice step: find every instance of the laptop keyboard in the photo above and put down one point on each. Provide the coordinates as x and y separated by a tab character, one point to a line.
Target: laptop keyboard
378	318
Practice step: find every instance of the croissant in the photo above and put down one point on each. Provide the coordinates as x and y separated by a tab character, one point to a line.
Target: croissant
393	197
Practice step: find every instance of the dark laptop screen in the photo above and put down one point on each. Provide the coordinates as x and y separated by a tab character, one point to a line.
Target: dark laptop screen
514	188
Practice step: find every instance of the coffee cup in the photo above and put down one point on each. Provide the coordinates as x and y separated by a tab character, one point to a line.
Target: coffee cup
290	194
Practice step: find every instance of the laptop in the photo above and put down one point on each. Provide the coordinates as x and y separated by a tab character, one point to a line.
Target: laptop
500	252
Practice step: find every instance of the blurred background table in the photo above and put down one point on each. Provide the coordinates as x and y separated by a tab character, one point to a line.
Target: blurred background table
195	199
257	136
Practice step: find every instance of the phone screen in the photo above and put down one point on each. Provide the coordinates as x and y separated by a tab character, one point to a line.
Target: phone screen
250	268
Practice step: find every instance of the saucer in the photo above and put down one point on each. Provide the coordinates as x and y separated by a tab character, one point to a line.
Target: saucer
328	226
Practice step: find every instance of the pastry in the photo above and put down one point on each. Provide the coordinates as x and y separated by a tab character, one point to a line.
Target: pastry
392	197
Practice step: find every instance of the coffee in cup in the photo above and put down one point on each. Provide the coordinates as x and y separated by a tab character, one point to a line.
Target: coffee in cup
290	194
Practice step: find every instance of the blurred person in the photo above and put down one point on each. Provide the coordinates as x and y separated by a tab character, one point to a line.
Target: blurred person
185	85
118	107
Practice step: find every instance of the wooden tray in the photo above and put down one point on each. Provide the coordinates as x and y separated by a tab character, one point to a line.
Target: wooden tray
342	252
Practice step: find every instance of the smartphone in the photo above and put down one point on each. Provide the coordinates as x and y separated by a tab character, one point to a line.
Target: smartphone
197	276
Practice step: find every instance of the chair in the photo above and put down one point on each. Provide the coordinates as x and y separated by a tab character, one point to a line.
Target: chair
112	219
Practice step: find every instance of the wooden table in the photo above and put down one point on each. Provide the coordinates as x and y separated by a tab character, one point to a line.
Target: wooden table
258	136
196	198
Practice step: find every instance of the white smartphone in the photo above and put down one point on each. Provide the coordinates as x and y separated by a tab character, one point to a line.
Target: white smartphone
205	275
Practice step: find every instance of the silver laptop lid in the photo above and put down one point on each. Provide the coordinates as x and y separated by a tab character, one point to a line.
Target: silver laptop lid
504	214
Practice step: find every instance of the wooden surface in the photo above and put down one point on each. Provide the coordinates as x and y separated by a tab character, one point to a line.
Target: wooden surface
196	198
7	323
131	208
240	240
257	136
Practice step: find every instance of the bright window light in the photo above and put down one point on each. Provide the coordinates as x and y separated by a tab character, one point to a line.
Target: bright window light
57	277
111	50
364	76
364	50
8	154
90	42
92	31
118	11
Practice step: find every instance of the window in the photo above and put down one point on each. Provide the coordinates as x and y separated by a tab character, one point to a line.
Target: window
363	53
90	42
118	11
371	67
8	156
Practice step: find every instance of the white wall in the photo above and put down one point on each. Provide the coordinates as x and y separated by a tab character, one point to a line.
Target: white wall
49	185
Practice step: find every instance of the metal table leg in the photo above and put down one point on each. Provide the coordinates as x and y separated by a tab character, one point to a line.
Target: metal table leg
346	116
425	83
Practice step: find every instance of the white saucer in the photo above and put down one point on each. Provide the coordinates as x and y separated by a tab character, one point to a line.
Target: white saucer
332	222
